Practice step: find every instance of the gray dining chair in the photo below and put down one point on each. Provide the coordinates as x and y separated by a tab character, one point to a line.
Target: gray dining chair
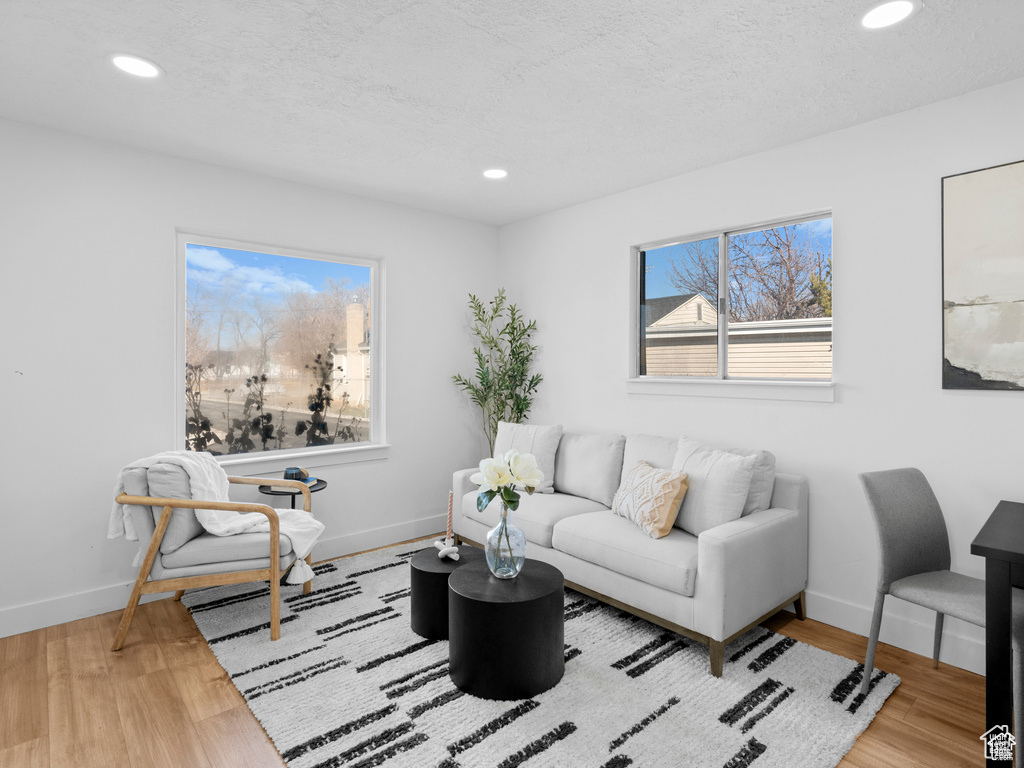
914	566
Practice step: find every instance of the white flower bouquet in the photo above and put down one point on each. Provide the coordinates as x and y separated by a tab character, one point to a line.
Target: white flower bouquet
504	477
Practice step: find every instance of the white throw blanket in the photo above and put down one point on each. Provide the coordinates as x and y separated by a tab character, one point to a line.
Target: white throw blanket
210	482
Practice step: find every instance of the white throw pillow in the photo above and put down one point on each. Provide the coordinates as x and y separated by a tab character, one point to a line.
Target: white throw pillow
763	483
541	441
719	483
650	498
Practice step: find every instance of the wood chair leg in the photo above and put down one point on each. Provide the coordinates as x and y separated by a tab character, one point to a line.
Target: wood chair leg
717	648
144	570
307	587
179	594
275	609
800	607
126	618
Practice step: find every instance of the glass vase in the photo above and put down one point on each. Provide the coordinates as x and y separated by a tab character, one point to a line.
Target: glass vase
505	547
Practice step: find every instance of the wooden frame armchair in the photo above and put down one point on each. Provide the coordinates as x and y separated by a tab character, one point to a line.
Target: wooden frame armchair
241	573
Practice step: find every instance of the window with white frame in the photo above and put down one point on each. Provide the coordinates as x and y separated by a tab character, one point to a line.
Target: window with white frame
281	348
752	303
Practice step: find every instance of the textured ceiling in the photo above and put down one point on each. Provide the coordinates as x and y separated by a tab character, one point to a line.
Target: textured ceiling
409	100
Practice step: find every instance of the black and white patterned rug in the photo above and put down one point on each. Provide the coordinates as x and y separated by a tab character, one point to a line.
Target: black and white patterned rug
350	684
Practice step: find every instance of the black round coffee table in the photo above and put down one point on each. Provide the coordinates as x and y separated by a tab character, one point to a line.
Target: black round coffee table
506	638
428	593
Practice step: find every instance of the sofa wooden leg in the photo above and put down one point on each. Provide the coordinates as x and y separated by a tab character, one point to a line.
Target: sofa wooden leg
717	657
800	607
178	595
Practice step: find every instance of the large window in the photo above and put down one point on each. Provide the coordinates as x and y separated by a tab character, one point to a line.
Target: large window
280	348
746	304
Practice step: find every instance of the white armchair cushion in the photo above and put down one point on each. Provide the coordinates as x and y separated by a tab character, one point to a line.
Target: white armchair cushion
541	441
719	484
169	481
207	548
650	498
589	466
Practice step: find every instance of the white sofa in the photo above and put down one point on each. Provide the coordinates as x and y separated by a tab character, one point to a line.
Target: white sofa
711	587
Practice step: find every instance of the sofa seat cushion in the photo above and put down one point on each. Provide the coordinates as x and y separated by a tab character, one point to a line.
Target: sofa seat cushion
536	516
603	538
207	548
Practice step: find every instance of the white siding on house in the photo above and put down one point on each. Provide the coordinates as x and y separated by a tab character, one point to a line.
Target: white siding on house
784	349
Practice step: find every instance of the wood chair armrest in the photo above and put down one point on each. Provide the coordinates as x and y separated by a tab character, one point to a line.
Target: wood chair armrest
307	501
231	506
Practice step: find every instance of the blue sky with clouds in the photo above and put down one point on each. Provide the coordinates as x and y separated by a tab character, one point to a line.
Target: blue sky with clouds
657	259
265	274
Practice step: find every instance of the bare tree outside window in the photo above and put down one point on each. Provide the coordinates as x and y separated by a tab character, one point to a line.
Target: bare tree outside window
277	351
779	304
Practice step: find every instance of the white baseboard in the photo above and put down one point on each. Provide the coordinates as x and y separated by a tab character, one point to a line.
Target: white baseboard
80	605
963	645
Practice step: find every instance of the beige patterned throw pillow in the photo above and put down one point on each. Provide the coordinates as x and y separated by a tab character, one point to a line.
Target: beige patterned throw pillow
650	498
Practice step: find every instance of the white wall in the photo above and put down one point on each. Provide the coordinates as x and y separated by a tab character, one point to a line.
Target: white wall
570	271
88	328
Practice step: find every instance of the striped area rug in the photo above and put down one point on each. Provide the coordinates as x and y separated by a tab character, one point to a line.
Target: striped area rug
349	684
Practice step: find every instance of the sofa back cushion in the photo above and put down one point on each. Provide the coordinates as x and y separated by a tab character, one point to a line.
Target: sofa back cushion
761	484
541	441
589	466
719	483
655	450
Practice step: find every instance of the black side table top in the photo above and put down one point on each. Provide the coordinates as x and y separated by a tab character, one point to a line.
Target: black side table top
536	580
270	490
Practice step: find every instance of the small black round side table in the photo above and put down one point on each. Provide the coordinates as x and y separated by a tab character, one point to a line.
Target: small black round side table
270	490
429	588
506	638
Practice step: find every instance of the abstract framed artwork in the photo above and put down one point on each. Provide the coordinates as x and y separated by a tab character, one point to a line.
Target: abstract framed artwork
983	278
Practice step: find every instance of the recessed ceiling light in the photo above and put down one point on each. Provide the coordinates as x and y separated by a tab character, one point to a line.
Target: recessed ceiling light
887	14
495	173
133	65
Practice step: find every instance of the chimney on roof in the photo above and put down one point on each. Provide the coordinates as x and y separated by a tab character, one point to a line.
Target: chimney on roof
355	326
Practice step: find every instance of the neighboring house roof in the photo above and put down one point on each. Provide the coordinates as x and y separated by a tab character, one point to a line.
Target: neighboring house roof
691	309
658	308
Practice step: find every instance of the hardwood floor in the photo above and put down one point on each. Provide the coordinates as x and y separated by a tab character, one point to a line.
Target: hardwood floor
163	701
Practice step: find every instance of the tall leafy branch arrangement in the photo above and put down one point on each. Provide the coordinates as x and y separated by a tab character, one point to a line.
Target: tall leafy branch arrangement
501	385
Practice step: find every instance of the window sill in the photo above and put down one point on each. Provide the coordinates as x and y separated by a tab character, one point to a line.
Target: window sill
275	462
807	391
